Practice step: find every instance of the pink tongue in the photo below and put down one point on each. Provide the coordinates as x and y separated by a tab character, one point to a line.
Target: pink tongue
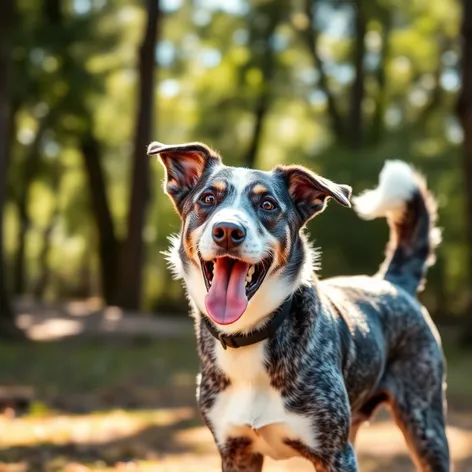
226	301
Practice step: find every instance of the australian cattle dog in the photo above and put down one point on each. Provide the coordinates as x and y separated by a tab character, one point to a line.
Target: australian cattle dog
291	365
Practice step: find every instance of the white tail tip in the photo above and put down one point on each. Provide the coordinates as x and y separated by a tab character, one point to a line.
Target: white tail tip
397	183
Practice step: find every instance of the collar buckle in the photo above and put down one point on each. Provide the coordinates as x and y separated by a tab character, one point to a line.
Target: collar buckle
227	341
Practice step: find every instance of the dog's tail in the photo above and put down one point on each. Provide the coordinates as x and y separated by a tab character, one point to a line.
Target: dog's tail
403	198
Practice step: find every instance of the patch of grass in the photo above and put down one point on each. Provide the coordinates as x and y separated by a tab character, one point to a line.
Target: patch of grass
73	367
68	368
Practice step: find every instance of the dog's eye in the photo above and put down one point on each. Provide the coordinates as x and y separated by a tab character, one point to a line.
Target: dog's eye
268	204
208	198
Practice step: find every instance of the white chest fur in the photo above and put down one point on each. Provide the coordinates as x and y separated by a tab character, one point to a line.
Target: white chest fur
250	407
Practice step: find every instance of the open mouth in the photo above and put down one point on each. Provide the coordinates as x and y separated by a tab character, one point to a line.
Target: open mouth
231	283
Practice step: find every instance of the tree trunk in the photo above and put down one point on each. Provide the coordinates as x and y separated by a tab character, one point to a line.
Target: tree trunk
356	116
108	244
378	121
267	61
44	267
8	329
311	39
30	169
130	284
437	95
52	11
262	107
465	116
12	130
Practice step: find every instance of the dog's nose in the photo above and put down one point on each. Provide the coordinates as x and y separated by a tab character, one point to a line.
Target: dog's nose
228	234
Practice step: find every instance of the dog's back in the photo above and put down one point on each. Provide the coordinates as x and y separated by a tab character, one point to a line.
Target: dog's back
402	197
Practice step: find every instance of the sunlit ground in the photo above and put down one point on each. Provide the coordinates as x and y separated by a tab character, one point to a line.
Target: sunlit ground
171	439
128	403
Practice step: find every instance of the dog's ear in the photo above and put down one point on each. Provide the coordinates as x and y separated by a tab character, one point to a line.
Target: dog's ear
310	192
184	165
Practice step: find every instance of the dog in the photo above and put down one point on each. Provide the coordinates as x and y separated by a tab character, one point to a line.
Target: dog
291	365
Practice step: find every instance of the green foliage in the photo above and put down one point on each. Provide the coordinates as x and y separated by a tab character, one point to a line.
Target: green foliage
78	71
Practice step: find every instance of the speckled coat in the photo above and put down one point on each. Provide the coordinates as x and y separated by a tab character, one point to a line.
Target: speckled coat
347	345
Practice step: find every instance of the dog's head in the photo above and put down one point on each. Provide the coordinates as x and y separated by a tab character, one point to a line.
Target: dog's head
241	251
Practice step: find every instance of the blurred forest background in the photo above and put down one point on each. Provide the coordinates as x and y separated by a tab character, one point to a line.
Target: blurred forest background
85	85
338	85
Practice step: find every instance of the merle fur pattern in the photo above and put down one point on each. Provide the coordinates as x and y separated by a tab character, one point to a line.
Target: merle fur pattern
348	345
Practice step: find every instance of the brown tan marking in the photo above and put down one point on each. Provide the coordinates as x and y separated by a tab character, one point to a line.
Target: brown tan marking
219	185
259	189
188	243
282	253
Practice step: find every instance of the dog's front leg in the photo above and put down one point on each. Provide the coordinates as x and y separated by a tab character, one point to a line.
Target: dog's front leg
237	456
343	461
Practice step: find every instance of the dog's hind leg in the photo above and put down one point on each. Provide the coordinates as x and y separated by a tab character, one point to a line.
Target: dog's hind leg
424	430
418	406
236	456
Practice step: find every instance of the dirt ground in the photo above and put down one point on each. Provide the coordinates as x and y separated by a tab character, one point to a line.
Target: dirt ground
103	390
118	440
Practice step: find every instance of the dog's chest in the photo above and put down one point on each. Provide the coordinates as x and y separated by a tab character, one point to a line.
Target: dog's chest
250	407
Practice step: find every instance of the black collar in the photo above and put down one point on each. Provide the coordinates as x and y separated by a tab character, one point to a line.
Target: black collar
239	340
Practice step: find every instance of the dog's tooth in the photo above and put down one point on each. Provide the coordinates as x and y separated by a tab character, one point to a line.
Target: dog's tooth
250	273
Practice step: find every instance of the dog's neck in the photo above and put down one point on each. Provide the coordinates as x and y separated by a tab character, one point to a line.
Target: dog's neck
236	341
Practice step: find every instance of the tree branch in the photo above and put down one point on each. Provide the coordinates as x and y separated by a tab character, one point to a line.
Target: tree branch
133	246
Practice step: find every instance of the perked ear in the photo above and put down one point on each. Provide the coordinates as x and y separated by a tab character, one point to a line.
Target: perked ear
184	165
310	192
